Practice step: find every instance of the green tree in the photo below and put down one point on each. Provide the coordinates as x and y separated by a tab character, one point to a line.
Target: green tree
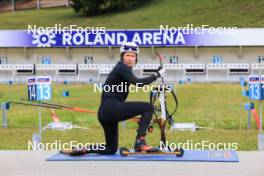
94	7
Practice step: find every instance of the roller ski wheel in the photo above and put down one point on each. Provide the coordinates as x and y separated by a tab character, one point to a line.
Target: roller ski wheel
179	152
124	151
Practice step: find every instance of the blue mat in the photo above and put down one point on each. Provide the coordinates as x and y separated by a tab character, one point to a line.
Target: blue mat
189	155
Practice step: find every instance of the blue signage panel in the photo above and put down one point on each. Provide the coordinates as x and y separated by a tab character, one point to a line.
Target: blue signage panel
256	87
39	88
144	38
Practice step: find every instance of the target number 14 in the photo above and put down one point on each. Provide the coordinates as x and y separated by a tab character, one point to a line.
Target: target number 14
39	88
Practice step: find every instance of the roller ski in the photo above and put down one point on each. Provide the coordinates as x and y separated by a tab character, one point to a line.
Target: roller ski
141	147
75	151
125	152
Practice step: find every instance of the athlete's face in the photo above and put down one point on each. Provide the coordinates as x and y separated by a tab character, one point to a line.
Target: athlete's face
130	59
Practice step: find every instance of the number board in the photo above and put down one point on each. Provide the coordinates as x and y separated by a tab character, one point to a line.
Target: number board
255	87
39	88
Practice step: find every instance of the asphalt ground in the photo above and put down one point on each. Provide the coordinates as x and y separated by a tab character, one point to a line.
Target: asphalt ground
27	163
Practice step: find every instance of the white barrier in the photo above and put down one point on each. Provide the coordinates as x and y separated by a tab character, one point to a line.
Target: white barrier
175	72
239	68
194	68
217	66
174	66
4	67
46	67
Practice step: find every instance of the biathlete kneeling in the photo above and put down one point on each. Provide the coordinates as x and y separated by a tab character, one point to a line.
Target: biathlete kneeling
114	108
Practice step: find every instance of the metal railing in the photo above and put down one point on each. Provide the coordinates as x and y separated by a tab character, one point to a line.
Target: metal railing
13	5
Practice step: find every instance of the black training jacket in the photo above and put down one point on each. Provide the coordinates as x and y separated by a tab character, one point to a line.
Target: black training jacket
123	76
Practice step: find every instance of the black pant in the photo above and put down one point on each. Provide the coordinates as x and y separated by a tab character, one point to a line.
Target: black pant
113	111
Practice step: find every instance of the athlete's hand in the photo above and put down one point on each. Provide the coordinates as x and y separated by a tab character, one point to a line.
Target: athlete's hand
160	72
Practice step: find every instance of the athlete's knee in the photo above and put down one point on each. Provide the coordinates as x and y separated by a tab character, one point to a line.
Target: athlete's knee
111	151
